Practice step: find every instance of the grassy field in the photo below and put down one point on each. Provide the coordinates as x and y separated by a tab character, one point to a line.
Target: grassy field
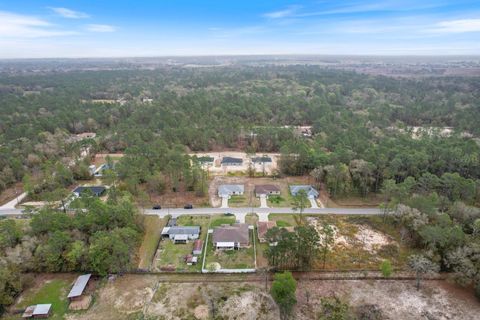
50	291
284	220
283	201
153	226
231	259
217	221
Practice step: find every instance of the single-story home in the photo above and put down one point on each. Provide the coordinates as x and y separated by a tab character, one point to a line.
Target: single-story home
262	160
232	237
266	190
309	190
231	161
95	190
205	160
79	287
226	190
37	311
263	227
197	247
181	234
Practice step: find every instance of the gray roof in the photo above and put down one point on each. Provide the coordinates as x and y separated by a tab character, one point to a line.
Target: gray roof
262	159
184	230
42	309
311	191
228	189
79	286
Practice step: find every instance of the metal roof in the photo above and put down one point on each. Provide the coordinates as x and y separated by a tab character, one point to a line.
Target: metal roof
262	159
184	230
79	286
41	309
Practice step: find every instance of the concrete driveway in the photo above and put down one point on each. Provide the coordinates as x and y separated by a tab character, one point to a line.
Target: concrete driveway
263	201
224	202
13	203
313	202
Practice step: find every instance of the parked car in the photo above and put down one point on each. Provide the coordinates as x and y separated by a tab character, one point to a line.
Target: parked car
157	207
188	206
228	214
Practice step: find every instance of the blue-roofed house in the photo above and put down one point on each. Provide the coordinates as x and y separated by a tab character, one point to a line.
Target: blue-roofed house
309	190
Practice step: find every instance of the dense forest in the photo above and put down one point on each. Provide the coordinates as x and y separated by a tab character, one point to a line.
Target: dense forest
363	141
361	123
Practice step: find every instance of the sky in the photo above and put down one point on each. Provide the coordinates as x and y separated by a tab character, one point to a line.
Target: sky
118	28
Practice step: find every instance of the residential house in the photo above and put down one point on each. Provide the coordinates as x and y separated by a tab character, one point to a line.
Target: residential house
262	160
197	247
227	190
79	286
232	237
205	160
95	190
309	190
266	190
230	161
263	227
181	234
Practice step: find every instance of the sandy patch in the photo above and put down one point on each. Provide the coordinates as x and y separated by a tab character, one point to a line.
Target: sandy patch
372	240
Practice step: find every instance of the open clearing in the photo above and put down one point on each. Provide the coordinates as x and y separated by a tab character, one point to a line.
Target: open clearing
396	299
149	297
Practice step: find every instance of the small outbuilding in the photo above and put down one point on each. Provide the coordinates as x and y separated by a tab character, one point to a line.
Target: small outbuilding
197	247
79	287
37	311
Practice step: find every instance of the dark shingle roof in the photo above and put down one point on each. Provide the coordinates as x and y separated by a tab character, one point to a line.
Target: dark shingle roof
231	160
236	233
261	159
96	190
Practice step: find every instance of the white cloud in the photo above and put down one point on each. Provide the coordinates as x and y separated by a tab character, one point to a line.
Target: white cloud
23	26
457	26
100	28
71	14
290	11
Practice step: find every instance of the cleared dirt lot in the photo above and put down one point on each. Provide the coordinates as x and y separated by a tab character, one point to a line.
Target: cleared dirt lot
396	299
132	296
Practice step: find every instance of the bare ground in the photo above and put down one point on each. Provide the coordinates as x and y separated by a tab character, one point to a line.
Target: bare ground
397	299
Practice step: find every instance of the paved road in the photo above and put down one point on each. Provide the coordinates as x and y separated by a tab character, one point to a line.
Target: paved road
263	213
11	204
239	212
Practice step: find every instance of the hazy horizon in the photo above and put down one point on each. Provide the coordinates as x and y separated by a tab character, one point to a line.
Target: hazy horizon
109	29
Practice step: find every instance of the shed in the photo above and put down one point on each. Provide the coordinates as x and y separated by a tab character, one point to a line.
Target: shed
79	286
197	247
42	310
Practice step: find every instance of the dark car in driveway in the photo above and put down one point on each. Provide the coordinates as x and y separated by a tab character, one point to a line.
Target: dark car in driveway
188	206
157	207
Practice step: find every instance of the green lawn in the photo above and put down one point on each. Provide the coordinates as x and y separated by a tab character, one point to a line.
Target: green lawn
284	220
153	226
244	201
231	259
282	201
54	292
217	221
